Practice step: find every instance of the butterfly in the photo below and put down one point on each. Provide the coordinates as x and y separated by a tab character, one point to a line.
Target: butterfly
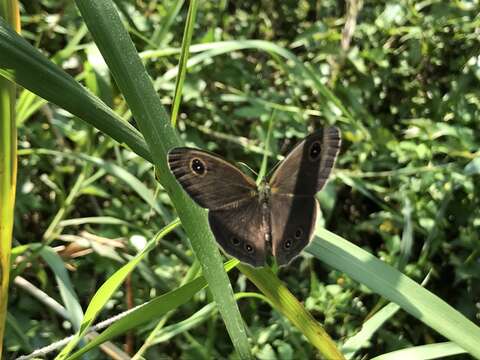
252	222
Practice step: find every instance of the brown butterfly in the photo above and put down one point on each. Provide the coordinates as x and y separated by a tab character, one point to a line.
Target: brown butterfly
252	222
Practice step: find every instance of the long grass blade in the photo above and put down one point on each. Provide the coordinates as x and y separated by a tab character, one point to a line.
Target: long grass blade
182	65
284	302
353	344
105	292
151	310
22	63
424	352
132	78
8	171
396	287
67	292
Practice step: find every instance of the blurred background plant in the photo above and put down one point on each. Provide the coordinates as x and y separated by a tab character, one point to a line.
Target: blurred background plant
400	78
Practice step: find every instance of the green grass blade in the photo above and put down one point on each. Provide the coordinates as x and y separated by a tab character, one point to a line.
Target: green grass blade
224	47
160	35
370	327
424	352
105	220
119	172
27	104
307	72
69	297
22	63
473	167
196	319
263	168
8	166
105	292
353	344
187	39
132	78
151	310
17	330
8	172
285	303
407	236
396	287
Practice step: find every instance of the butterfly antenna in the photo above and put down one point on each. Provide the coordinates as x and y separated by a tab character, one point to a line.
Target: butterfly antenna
248	167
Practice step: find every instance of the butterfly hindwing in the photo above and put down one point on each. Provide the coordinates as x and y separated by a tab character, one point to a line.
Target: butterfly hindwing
293	223
241	231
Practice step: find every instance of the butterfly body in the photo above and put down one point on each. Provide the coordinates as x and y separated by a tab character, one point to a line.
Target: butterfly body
252	222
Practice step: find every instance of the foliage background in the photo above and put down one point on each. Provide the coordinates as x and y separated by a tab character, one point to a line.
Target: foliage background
410	78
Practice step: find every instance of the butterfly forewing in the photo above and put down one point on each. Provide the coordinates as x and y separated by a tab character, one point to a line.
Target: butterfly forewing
211	181
307	167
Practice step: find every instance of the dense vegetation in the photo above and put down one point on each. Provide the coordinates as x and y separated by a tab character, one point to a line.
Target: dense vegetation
401	79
